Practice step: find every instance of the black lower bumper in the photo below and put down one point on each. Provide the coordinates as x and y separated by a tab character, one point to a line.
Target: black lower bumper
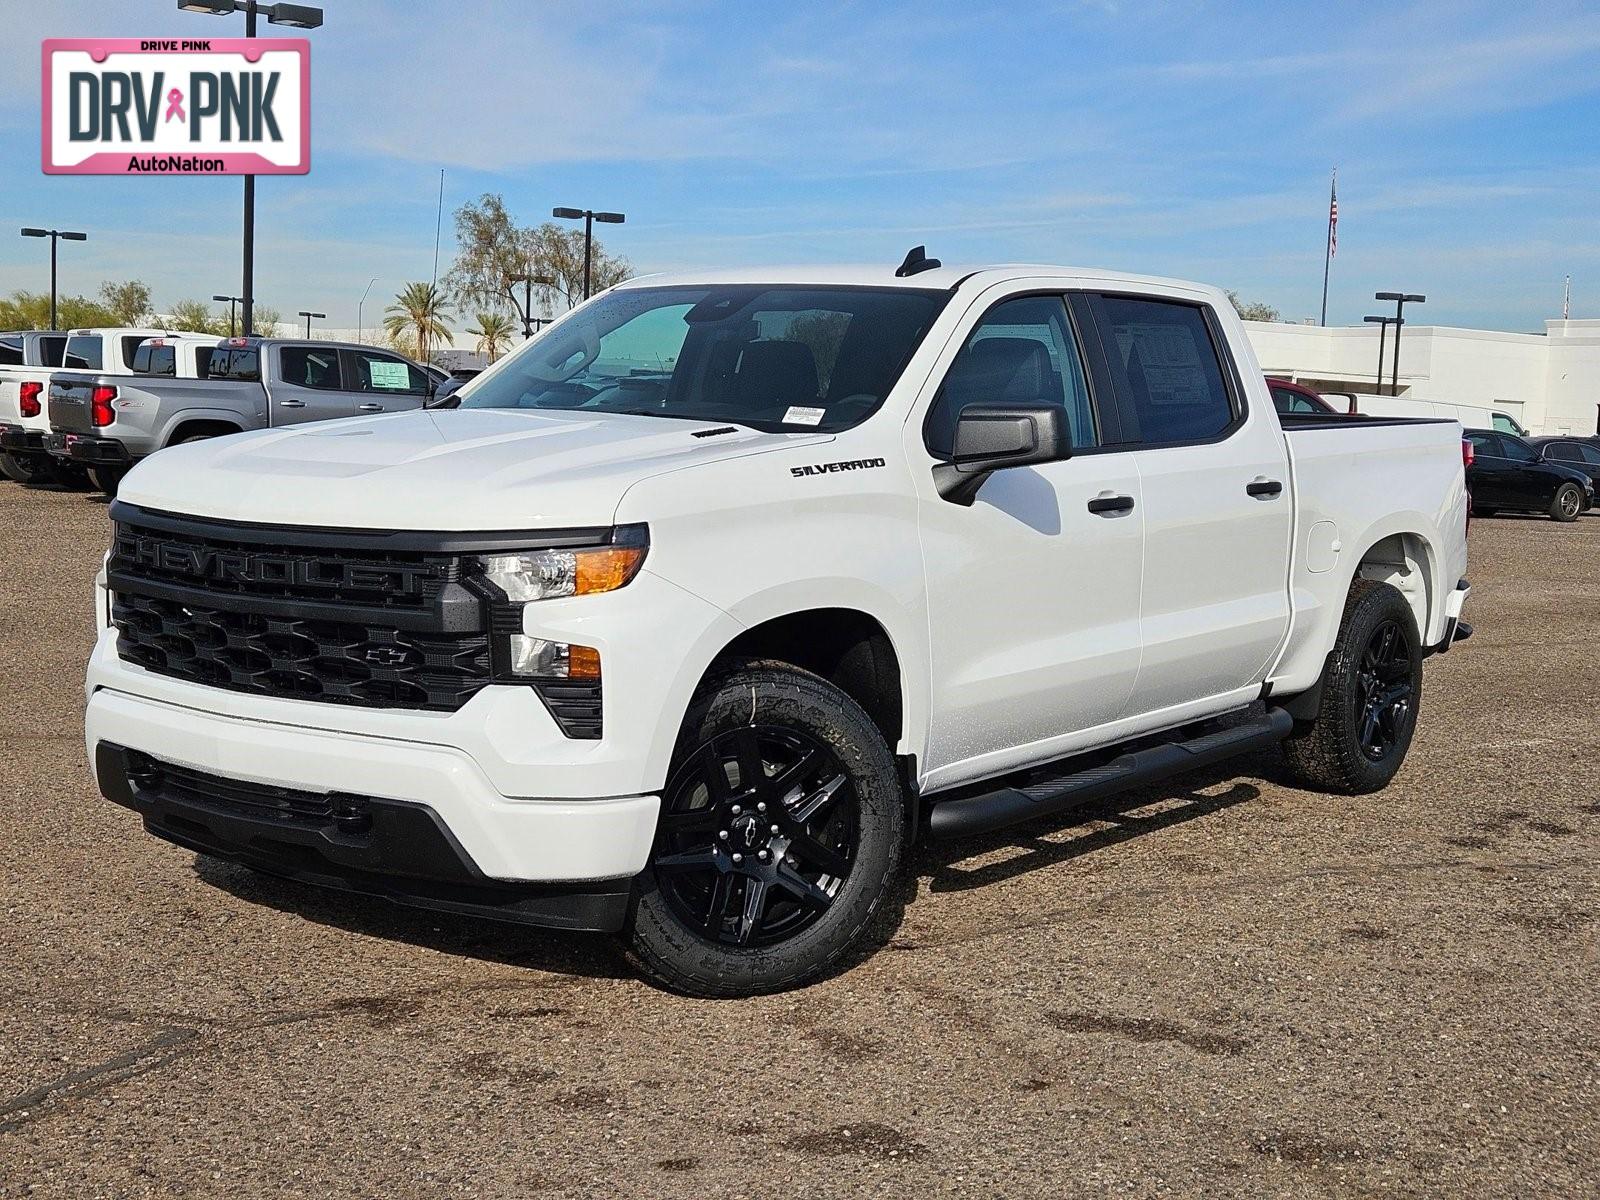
88	448
14	439
395	849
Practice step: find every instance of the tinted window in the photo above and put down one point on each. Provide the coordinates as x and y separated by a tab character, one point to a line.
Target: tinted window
238	363
202	360
1518	451
50	349
10	352
150	359
1022	352
386	373
310	367
1588	455
1286	400
773	357
1165	368
1562	452
1485	444
82	353
130	347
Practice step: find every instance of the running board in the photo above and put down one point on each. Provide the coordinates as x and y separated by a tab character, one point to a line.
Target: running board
968	815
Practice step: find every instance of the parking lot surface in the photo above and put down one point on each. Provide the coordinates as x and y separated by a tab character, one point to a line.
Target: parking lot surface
1224	985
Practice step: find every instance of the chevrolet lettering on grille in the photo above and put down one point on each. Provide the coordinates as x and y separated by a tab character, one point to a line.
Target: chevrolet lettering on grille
246	567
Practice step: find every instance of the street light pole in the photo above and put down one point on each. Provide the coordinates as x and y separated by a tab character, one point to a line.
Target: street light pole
230	301
527	282
54	235
308	316
589	218
299	16
1401	299
360	303
1383	324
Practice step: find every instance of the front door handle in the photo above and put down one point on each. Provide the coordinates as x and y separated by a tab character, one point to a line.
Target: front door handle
291	403
370	407
1111	506
1264	489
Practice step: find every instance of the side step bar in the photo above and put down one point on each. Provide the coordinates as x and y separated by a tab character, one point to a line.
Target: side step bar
968	815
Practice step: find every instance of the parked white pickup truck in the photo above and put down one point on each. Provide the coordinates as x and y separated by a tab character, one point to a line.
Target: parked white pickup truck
26	359
706	601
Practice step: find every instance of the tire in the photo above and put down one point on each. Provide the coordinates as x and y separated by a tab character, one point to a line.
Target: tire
107	479
799	901
1371	695
26	469
1567	503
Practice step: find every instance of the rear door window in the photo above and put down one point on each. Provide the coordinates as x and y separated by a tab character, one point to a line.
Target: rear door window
314	367
240	364
50	350
375	372
153	359
11	352
1166	369
83	353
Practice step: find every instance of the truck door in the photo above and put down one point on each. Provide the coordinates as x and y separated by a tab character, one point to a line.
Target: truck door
379	382
1218	513
308	386
1033	590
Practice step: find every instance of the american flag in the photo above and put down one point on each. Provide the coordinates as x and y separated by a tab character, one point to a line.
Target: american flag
1333	217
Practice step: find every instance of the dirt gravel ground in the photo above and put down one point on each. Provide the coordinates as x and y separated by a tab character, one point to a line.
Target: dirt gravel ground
1225	986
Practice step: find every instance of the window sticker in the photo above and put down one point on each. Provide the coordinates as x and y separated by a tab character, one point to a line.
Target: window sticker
391	376
797	415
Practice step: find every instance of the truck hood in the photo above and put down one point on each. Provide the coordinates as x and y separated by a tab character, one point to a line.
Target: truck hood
451	469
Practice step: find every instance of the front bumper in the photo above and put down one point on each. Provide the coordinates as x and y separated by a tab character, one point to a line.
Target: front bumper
88	448
395	849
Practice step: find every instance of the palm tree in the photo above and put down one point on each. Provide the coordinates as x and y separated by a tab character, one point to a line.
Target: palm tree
493	332
419	311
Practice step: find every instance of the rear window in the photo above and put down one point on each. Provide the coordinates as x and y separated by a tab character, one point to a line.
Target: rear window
50	349
1166	369
310	367
83	353
241	364
150	359
10	352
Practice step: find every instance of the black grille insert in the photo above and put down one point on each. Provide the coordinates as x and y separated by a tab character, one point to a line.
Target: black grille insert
351	813
339	662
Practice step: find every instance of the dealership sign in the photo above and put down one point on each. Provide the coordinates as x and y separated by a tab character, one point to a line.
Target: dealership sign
207	106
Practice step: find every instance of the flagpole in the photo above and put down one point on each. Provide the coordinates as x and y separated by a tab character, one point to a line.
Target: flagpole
1327	243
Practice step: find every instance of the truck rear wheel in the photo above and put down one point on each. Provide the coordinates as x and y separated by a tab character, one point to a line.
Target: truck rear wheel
25	469
1371	693
107	479
781	832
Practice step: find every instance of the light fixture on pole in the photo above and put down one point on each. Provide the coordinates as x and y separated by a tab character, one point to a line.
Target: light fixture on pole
360	303
1401	299
230	301
296	16
308	316
529	321
589	217
1383	324
54	235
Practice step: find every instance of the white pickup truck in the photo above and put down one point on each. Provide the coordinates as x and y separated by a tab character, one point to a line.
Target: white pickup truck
705	602
26	359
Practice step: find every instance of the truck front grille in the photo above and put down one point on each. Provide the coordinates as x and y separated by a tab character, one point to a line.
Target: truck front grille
331	661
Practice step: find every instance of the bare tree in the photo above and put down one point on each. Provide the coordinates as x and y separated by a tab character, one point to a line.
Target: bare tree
492	247
1254	311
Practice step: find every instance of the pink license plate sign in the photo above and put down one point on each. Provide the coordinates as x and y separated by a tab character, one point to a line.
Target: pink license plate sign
207	106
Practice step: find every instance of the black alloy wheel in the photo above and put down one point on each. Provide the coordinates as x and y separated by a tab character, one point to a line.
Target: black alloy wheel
1384	693
758	834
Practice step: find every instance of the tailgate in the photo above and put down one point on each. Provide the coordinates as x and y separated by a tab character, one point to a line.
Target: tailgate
69	403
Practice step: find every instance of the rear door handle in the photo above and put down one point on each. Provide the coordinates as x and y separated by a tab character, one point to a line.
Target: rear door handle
1111	506
291	403
370	407
1264	489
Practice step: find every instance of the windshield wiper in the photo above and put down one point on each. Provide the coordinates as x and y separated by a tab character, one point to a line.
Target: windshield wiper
657	412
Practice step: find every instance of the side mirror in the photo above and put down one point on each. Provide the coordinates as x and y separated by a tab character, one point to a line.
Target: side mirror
991	439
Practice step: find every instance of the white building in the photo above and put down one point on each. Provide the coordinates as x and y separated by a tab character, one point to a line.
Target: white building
1550	382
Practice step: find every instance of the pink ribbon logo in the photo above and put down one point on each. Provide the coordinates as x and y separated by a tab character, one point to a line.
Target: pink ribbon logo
175	105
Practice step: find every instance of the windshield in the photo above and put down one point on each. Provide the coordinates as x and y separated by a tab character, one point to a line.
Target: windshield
773	357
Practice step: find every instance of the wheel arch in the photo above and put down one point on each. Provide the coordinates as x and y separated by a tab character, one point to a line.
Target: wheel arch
1407	562
191	425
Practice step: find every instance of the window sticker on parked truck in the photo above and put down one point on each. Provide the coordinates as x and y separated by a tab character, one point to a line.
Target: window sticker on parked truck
797	415
394	375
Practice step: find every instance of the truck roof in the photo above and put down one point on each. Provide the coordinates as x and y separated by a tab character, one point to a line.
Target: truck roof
139	331
941	278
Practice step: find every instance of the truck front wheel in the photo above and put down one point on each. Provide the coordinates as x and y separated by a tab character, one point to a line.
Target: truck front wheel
1371	692
781	833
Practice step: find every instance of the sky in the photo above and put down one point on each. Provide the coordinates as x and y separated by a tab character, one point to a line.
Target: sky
1190	138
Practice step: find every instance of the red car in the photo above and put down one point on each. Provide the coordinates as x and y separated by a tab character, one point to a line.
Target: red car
1295	398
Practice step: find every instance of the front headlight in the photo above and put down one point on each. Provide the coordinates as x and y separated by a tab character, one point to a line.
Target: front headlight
551	574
